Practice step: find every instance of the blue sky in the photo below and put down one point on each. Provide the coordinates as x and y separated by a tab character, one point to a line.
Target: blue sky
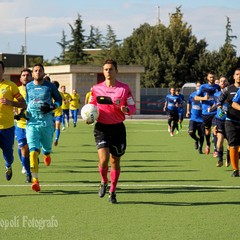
47	20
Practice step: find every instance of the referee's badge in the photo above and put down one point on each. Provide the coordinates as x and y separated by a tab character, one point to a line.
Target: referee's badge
118	102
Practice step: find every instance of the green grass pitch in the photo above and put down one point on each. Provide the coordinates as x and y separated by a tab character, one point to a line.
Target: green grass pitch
166	191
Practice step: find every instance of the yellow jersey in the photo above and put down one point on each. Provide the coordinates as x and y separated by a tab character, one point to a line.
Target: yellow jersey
75	102
66	98
22	123
9	90
88	97
58	111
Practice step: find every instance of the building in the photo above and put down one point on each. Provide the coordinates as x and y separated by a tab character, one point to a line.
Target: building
83	77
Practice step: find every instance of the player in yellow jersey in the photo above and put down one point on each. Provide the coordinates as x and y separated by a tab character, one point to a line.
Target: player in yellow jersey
88	96
66	98
20	128
58	112
74	106
8	92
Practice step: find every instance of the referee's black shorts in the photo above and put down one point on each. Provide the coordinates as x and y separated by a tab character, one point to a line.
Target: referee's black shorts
112	136
232	130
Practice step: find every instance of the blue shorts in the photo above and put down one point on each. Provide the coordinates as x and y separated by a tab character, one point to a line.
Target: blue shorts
58	118
40	137
6	144
20	134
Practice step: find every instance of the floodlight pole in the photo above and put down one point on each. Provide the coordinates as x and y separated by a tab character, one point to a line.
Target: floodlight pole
25	42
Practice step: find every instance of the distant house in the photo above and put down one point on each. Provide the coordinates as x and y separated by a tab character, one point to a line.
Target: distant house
83	77
17	61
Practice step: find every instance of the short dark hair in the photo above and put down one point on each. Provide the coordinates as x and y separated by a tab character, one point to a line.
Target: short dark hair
26	70
111	61
39	65
3	66
56	83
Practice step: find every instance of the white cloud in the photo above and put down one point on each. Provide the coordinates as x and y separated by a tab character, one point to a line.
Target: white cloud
47	21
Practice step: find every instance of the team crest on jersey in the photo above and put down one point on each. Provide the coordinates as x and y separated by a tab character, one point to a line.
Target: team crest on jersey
118	102
3	91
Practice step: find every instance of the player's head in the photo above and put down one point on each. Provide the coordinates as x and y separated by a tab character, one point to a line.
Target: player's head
198	84
211	78
110	69
172	90
38	72
223	82
63	88
47	78
111	61
236	76
25	76
56	83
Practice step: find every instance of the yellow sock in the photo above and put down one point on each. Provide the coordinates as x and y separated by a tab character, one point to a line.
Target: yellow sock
34	162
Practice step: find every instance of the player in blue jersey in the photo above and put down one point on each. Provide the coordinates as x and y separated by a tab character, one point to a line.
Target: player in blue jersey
172	102
194	111
232	122
42	98
220	122
180	108
206	94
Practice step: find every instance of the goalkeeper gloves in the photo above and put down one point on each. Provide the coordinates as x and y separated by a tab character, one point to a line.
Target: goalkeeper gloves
21	115
46	108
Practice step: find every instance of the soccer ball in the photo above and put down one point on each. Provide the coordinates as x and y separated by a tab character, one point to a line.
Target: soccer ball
89	113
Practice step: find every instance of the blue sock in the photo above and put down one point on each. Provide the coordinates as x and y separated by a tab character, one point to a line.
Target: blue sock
20	156
26	164
57	133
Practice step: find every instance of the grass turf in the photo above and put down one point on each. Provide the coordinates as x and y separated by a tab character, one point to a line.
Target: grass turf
166	191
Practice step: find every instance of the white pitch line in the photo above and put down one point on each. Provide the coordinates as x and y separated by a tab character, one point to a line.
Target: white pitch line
125	185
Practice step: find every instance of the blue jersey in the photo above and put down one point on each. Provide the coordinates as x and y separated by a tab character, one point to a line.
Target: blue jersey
196	108
172	102
236	98
36	96
210	90
221	112
182	100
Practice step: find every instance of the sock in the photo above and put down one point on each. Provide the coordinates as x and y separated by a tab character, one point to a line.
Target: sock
34	162
234	157
103	172
215	142
26	163
201	142
114	175
57	134
208	139
228	156
220	156
20	155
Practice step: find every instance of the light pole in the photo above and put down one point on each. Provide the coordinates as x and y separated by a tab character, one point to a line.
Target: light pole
25	42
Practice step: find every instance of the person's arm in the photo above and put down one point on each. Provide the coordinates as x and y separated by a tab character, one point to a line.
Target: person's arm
188	110
130	107
165	106
236	106
20	103
198	98
236	101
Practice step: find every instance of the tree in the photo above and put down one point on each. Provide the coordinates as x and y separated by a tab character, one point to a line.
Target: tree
94	38
169	54
64	46
75	53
